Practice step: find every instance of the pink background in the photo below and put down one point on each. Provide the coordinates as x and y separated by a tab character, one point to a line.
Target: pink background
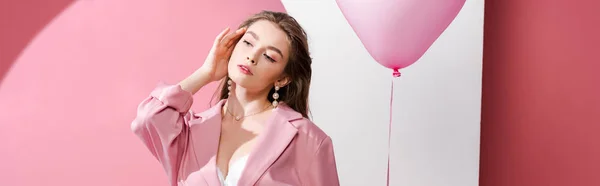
541	93
74	72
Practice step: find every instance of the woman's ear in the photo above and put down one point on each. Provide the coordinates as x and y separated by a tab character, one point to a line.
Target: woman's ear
282	82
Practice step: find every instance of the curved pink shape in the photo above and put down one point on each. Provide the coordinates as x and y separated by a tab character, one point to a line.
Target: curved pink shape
21	21
398	32
68	101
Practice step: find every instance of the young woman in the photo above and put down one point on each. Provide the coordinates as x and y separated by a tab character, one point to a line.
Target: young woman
258	133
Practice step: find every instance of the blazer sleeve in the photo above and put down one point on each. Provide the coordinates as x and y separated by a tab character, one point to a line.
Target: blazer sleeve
322	170
162	125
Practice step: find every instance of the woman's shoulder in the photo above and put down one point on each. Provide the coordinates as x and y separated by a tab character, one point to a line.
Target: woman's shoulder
310	131
305	126
208	113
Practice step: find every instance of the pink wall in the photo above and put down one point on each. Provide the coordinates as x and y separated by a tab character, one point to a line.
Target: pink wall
541	93
20	22
78	74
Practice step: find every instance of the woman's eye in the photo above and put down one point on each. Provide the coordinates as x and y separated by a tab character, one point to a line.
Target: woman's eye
269	58
247	43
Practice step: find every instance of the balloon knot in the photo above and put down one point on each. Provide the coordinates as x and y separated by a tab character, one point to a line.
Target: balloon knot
396	73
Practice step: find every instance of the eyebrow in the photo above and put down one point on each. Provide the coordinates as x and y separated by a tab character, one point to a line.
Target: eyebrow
276	50
269	47
253	35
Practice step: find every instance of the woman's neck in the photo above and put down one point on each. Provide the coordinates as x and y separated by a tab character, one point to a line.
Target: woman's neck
242	102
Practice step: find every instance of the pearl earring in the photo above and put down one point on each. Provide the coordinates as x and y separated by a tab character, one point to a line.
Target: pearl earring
275	97
229	82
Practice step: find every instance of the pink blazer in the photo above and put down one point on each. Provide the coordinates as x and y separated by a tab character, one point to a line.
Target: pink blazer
290	151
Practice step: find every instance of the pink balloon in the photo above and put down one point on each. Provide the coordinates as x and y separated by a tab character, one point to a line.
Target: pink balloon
398	32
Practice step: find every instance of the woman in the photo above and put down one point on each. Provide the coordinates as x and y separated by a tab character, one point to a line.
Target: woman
258	133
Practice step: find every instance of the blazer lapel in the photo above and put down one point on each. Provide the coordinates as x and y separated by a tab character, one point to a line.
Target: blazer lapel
209	134
210	172
277	135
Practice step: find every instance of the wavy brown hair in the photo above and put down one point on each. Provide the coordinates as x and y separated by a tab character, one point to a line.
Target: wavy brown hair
298	69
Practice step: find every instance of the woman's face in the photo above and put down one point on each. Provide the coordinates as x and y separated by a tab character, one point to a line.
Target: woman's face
259	58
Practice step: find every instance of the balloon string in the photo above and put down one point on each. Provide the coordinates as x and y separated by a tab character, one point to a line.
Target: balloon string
390	133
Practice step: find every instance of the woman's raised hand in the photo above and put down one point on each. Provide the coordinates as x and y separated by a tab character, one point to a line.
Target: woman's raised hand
216	62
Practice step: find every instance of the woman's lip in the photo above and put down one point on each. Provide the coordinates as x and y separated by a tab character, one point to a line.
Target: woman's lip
245	69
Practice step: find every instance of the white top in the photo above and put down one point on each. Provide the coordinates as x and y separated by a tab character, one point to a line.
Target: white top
235	172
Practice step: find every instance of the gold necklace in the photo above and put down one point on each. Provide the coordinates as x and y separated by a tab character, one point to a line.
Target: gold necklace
238	118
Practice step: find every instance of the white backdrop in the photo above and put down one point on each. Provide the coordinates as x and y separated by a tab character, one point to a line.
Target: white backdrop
436	117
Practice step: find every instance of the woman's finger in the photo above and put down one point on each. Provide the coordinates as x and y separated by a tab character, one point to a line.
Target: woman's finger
233	37
226	39
220	36
238	34
229	51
